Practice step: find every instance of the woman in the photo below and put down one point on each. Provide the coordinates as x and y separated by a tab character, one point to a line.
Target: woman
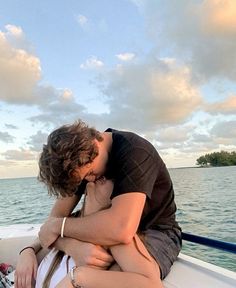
133	264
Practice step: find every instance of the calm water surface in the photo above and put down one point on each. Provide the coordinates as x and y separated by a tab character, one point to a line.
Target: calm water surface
206	200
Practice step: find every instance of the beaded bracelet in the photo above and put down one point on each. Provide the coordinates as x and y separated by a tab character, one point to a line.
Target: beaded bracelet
72	278
27	247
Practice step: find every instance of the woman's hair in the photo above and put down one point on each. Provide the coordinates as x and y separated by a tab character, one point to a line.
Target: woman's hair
53	267
67	148
60	254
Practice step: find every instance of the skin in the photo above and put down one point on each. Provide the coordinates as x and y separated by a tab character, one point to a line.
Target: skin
26	269
83	253
113	226
125	211
138	268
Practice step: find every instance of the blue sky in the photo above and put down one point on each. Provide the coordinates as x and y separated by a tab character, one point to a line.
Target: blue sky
164	69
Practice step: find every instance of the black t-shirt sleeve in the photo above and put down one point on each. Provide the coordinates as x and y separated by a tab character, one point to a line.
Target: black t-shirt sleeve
136	172
81	188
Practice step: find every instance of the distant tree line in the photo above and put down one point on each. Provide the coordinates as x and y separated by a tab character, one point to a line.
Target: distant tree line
215	159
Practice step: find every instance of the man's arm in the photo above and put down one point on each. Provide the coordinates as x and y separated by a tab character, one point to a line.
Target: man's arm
112	226
62	208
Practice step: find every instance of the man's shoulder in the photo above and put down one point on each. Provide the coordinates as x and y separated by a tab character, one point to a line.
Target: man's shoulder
128	144
125	135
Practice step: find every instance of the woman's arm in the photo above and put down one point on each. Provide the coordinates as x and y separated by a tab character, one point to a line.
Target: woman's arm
64	206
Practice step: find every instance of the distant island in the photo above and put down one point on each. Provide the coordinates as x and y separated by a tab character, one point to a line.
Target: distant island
217	159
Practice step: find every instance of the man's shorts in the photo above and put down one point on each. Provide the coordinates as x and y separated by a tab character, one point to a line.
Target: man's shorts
164	246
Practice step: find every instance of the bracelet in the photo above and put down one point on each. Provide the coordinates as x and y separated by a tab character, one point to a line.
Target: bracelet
27	247
72	278
63	226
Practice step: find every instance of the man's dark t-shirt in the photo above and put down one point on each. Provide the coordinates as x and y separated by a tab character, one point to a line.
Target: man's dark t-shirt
135	166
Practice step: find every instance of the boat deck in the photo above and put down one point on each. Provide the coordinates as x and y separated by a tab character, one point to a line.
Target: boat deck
187	272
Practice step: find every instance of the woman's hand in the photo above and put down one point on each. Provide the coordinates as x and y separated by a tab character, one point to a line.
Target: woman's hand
88	254
65	283
26	269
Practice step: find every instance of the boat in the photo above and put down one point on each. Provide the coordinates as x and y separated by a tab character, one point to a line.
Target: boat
186	272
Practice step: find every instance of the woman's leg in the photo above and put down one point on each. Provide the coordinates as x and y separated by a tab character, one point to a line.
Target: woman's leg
138	271
138	268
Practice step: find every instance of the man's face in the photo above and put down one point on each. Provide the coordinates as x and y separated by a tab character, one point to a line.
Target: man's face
94	170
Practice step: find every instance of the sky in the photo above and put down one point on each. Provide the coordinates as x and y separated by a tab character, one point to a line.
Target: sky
165	69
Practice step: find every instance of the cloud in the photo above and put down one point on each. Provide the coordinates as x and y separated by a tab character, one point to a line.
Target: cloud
82	20
6	163
19	155
20	75
15	31
10	126
225	132
174	134
144	96
58	108
125	56
201	33
218	17
226	107
19	71
6	137
92	63
36	141
201	138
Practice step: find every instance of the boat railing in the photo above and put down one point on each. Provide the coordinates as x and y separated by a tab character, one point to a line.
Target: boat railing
221	245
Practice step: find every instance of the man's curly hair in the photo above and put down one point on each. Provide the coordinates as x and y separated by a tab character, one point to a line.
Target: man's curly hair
67	148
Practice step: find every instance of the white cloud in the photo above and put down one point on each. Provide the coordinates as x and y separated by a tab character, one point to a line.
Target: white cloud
6	163
82	20
142	97
19	155
174	134
15	31
19	73
16	38
67	95
125	56
201	33
92	63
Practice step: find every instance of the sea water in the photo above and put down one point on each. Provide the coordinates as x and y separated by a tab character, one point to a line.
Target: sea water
205	197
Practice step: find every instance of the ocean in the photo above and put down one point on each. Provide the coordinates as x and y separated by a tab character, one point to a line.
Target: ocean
205	197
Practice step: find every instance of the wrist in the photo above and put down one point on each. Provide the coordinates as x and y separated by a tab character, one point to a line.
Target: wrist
63	227
28	249
74	277
56	228
61	244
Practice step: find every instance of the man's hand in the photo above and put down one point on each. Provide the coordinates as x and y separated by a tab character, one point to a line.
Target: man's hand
26	269
50	231
85	254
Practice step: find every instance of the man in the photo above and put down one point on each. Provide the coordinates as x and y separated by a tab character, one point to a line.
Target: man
142	198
